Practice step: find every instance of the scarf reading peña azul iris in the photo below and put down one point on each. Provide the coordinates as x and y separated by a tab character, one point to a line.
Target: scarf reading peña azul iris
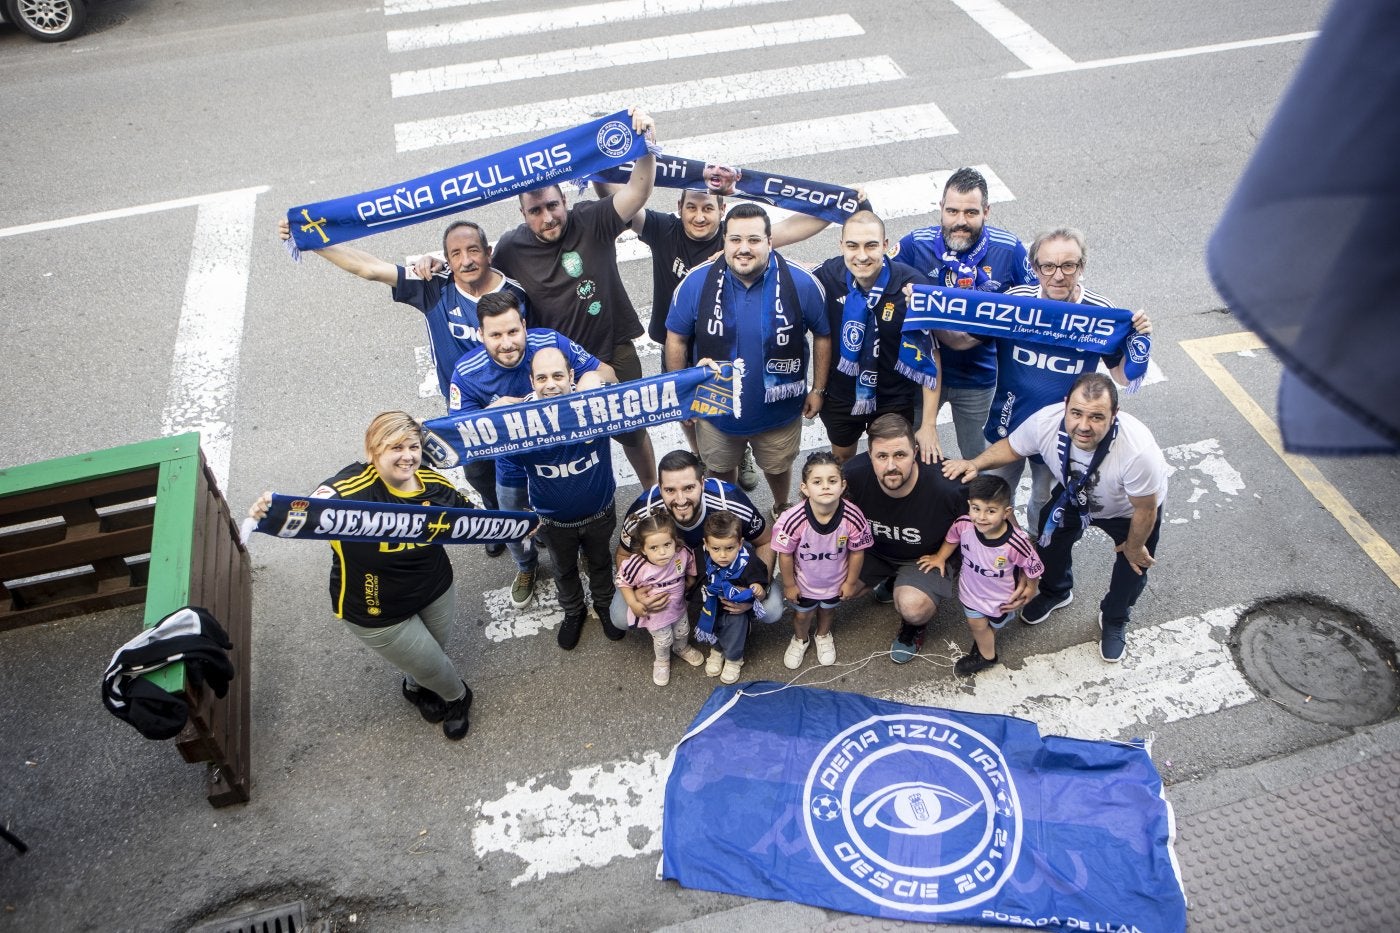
783	373
335	519
719	584
587	148
581	416
1083	327
860	337
832	203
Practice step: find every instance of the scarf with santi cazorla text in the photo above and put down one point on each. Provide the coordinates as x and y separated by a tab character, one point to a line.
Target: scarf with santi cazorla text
717	330
860	338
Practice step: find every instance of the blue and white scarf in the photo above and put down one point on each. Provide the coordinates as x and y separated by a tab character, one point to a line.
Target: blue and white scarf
832	203
336	519
581	416
964	272
552	160
1073	495
860	337
1083	327
719	584
783	344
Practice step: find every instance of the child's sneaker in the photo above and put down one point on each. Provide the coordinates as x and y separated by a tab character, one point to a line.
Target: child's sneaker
973	662
661	672
826	650
796	650
731	672
714	662
690	655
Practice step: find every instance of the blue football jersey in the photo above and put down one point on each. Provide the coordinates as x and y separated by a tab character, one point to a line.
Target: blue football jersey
569	482
453	327
477	380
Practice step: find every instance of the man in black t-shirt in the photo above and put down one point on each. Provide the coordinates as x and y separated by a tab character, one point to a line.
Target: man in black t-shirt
910	510
566	259
863	274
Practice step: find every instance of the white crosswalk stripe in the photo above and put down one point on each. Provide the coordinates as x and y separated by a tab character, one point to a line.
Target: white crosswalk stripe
660	98
618	54
488	28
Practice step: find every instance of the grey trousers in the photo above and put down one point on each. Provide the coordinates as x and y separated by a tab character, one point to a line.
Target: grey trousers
415	646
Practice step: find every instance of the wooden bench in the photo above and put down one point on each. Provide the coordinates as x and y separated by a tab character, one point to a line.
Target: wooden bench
143	523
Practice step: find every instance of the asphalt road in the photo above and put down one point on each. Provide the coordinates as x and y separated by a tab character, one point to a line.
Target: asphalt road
237	111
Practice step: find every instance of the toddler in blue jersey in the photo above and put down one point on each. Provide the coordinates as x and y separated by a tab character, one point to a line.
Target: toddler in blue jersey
732	589
661	565
820	543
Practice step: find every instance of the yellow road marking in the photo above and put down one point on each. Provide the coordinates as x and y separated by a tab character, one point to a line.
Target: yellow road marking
1204	351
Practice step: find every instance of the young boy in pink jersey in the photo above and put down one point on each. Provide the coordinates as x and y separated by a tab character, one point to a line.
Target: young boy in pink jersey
992	550
664	565
820	544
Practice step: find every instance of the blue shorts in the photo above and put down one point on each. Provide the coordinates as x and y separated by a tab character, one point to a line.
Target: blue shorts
807	603
996	622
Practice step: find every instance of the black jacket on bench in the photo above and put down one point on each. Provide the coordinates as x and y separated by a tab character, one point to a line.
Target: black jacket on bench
190	635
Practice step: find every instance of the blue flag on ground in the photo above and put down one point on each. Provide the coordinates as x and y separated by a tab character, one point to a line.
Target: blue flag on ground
695	392
869	807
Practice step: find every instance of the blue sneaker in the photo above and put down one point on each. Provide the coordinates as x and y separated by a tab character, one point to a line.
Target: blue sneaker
1113	640
1038	609
907	643
884	591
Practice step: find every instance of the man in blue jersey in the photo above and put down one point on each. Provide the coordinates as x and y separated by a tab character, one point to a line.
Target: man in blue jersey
571	488
1030	375
690	497
964	252
448	305
756	309
499	374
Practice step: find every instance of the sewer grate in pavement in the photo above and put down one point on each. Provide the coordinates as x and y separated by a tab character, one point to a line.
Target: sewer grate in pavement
288	918
1319	661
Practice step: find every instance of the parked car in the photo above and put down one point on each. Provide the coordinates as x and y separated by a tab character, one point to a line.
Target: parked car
46	20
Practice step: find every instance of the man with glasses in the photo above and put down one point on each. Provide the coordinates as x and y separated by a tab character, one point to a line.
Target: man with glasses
964	251
1031	375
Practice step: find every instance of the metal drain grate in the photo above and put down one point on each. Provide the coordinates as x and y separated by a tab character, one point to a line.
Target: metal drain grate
288	918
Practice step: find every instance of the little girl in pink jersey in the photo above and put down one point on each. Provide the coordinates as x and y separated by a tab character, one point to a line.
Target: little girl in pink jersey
992	550
662	566
819	544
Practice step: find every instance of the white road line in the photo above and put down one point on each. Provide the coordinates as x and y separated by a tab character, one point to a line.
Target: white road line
1015	33
131	211
1035	71
619	54
506	623
681	95
810	137
607	811
1202	465
395	7
487	28
204	373
1172	671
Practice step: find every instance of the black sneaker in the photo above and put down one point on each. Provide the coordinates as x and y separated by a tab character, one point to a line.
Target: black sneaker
612	631
972	662
884	591
907	643
432	707
1038	609
570	630
1113	640
455	725
495	549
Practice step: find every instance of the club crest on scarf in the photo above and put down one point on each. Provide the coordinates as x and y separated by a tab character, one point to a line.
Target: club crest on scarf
914	812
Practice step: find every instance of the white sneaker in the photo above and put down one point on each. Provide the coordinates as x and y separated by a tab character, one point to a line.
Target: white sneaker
690	655
796	650
661	672
826	650
748	471
714	662
731	672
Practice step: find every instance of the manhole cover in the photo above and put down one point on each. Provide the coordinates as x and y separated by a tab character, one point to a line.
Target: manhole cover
1320	662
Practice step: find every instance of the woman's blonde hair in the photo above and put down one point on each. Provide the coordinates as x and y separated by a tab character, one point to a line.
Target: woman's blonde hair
389	428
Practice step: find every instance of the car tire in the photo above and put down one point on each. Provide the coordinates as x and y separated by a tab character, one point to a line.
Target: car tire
48	20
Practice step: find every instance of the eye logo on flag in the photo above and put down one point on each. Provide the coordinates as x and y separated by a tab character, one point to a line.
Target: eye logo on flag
914	812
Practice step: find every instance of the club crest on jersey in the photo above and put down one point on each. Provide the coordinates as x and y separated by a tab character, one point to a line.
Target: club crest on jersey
887	314
1000	561
841	542
572	263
